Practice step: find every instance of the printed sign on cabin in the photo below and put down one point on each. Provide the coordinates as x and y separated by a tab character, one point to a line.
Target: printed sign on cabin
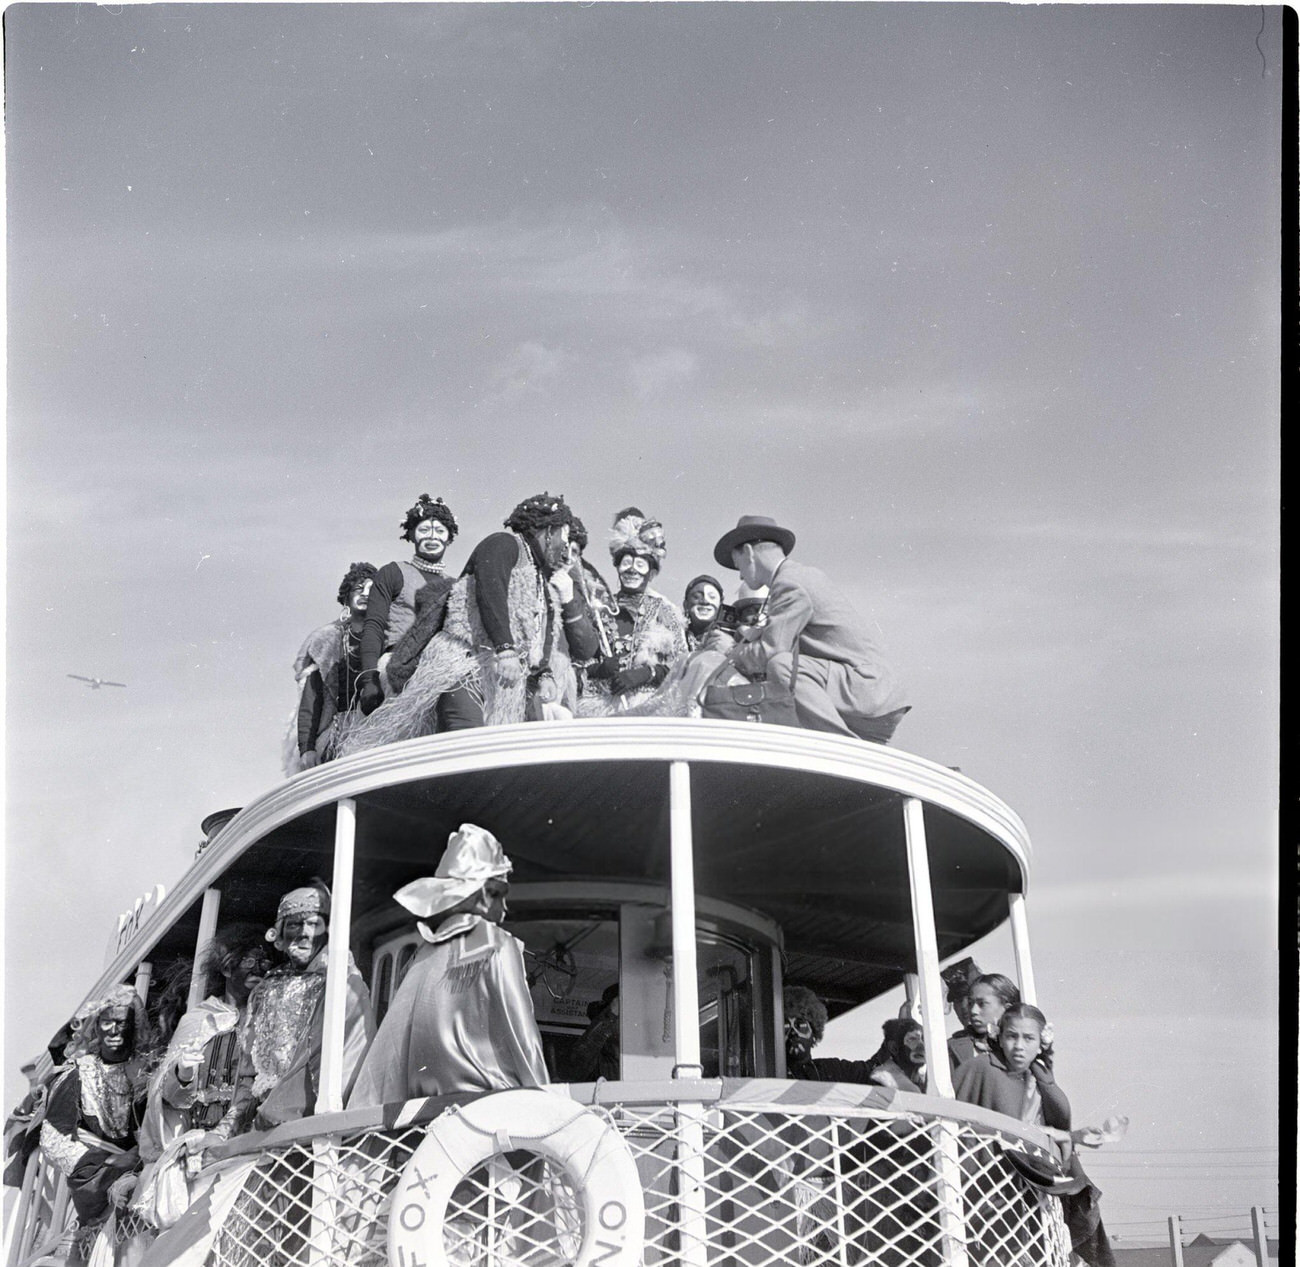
130	922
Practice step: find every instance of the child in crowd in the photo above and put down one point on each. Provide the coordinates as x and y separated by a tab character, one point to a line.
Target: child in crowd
990	996
1010	1077
1014	1077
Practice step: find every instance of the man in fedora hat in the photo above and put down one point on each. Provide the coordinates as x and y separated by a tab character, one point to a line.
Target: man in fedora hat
813	638
462	1019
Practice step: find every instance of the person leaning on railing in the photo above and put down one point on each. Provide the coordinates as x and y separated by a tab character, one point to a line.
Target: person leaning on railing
813	639
95	1106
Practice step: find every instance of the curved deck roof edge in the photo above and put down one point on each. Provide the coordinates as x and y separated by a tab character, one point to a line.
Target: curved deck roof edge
592	740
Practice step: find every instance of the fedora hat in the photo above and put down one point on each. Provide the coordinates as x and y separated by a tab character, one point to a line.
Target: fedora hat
751	528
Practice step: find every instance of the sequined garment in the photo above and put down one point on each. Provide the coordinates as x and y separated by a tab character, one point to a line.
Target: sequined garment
108	1093
285	1004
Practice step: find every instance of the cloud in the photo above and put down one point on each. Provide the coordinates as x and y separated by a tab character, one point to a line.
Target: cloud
657	371
528	370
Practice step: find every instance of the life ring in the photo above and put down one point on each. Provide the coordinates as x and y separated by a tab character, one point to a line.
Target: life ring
590	1152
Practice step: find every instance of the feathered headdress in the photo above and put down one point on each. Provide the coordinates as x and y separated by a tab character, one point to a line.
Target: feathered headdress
633	533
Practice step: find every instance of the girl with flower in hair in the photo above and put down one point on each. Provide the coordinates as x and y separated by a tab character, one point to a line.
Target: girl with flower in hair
1009	1079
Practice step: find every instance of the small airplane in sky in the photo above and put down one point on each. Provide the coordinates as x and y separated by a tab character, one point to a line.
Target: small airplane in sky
95	682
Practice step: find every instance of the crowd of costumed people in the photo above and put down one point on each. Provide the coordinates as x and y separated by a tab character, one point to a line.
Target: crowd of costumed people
531	630
140	1100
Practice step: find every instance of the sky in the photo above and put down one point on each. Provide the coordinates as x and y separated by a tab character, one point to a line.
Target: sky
982	301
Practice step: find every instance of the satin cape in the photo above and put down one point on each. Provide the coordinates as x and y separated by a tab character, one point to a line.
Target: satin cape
462	1020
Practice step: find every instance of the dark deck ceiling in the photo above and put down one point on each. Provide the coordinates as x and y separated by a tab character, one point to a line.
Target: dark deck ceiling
821	855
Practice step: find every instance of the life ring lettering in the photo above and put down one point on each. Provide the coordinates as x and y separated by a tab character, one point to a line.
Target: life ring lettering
595	1160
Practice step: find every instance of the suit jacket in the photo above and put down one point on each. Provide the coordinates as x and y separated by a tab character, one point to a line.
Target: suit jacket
805	610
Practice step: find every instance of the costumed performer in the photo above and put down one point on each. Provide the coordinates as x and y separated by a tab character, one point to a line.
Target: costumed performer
813	639
647	634
702	602
193	1086
404	590
327	669
902	1065
279	1069
95	1108
512	628
462	1019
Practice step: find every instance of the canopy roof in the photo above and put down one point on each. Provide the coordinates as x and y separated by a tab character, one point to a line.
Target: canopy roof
806	828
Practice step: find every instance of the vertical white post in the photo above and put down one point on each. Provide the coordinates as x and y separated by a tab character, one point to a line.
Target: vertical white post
910	991
143	977
1175	1241
207	931
1261	1239
686	993
18	1226
927	949
1020	945
330	1099
686	1019
952	1222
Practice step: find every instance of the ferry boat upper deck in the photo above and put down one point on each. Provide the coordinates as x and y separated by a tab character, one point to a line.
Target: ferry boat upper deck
694	868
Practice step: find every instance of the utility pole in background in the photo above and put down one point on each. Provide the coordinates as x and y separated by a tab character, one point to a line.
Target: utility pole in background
1175	1241
1261	1241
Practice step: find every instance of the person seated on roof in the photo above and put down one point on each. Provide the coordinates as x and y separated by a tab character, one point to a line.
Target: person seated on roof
398	594
647	634
278	1078
95	1108
902	1065
805	1025
751	609
512	628
591	585
194	1082
462	1019
327	669
702	602
813	638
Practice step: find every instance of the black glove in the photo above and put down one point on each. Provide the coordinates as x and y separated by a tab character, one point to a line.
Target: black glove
371	695
631	679
605	668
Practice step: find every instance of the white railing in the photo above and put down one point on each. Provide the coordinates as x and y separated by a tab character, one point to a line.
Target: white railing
729	1179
